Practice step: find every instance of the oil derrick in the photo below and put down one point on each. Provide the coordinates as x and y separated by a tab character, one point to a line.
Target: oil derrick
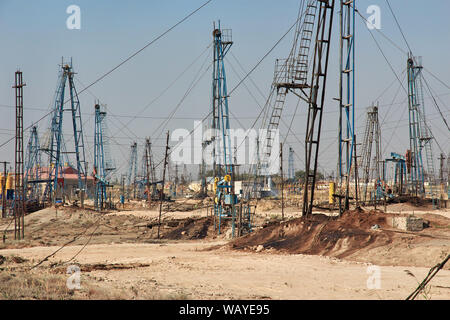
291	169
225	199
132	170
252	187
442	177
142	176
316	99
184	176
371	170
33	166
420	137
347	133
221	150
149	171
19	192
290	75
103	164
55	146
313	28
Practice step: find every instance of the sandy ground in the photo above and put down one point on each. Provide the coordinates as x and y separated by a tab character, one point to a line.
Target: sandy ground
187	269
208	268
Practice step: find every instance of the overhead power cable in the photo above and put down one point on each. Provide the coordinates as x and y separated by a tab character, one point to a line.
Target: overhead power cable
264	56
435	103
121	63
146	46
398	25
138	115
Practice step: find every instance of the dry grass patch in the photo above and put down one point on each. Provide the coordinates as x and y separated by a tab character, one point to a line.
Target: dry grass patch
33	286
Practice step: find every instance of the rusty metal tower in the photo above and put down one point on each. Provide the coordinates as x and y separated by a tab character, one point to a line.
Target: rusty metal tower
308	58
371	170
316	99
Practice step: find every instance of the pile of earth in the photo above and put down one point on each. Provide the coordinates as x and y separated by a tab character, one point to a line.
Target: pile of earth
320	234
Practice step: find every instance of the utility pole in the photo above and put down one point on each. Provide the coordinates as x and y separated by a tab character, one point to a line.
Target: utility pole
122	198
356	171
5	174
163	182
282	181
147	164
176	180
441	168
19	194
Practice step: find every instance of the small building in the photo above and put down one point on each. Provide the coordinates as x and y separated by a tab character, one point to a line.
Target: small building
68	182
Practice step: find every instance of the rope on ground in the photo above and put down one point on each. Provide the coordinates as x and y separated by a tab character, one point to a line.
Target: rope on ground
66	244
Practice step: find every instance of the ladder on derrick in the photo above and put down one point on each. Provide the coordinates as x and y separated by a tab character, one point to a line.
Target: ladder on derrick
291	73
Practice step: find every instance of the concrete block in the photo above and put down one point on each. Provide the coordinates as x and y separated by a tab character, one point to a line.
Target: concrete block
409	223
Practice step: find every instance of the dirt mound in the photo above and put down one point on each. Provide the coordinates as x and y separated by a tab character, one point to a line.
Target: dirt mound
189	229
321	234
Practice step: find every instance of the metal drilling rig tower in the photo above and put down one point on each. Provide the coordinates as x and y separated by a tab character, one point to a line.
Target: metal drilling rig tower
33	166
132	170
314	25
220	115
316	99
55	147
290	75
225	199
19	192
347	133
148	171
371	171
420	136
103	165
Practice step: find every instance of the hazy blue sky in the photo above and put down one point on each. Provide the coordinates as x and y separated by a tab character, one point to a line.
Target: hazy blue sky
34	37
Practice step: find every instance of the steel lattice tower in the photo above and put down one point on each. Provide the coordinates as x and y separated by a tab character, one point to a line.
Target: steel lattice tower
420	135
100	163
414	160
290	75
371	171
132	168
221	122
316	99
148	171
33	166
56	145
225	199
347	133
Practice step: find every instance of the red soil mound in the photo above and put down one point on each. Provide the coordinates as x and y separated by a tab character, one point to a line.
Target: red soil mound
320	234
